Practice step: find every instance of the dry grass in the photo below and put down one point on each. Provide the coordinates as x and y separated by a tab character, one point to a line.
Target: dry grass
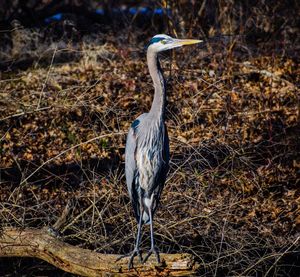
232	195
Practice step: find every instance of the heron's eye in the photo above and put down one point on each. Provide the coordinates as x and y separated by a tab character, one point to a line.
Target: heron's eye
164	41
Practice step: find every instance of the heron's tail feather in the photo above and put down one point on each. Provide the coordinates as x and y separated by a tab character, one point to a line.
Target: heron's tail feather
146	218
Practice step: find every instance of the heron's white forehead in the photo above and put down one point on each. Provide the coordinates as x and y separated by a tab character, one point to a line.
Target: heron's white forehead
161	36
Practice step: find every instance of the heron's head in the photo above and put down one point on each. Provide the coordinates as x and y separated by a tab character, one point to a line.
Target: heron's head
163	42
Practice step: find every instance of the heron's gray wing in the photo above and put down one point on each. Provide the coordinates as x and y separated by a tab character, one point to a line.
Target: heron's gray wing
130	160
162	175
131	171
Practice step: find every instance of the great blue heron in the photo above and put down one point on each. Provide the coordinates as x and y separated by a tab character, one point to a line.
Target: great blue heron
147	148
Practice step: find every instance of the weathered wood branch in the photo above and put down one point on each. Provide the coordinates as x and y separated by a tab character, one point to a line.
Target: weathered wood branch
38	243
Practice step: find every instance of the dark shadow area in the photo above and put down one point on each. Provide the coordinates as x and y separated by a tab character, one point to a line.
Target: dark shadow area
29	267
72	174
67	22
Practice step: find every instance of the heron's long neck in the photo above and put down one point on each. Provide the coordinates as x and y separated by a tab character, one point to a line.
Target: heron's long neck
157	111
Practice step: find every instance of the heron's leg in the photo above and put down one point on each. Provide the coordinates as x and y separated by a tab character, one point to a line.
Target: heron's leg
153	248
136	250
138	238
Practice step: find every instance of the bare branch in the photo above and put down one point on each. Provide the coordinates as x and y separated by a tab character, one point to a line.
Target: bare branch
37	243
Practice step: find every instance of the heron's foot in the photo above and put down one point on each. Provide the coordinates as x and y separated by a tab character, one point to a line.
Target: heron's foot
135	252
154	251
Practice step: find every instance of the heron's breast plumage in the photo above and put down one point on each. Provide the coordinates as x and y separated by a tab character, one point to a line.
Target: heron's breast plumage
148	164
149	157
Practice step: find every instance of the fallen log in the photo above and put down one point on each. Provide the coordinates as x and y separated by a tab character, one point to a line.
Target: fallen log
39	243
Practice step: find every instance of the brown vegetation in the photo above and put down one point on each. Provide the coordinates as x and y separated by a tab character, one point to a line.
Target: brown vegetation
232	198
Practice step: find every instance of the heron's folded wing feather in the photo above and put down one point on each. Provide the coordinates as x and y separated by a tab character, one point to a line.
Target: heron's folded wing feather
130	161
130	157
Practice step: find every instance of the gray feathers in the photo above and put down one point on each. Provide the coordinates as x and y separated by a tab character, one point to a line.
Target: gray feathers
147	148
146	159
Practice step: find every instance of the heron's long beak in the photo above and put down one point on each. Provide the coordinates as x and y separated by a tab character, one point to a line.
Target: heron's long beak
181	42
